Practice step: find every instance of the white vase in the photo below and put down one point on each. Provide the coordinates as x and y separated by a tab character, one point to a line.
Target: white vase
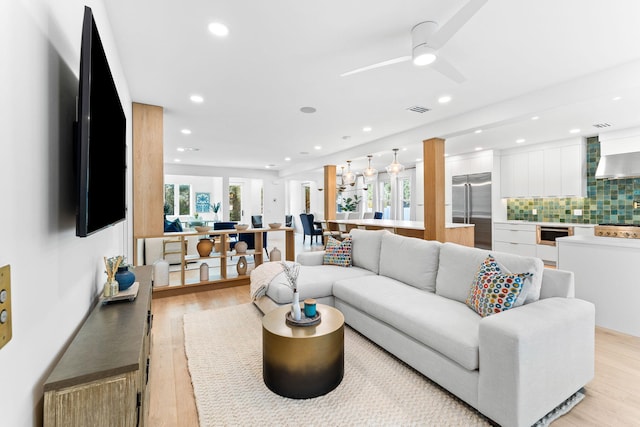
296	313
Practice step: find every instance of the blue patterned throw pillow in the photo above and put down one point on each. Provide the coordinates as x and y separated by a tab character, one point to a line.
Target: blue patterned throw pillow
337	252
494	291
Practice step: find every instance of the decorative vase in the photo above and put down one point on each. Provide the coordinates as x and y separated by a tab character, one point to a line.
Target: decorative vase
241	247
215	217
204	272
296	312
160	273
125	278
241	266
204	247
275	254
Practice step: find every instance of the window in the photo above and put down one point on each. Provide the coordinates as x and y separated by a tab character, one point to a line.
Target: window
185	199
405	184
235	202
385	202
169	199
369	204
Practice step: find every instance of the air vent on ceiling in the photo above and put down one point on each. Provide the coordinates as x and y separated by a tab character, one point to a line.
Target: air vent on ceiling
418	109
602	125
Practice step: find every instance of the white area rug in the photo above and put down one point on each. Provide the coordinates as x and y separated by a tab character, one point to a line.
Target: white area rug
224	351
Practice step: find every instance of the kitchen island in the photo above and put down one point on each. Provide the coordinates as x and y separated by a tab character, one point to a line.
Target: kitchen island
605	274
456	233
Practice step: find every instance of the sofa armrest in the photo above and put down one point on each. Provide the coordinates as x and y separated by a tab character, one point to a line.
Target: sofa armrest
311	258
534	357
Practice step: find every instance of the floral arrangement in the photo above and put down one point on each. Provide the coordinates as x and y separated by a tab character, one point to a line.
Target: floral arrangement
111	265
291	271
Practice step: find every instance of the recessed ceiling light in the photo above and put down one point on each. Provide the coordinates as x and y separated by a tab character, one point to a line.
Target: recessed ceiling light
404	149
197	99
346	137
317	147
304	153
218	29
617	98
183	149
186	131
287	159
478	131
574	131
444	99
418	159
180	149
308	110
478	148
367	129
535	118
520	140
176	160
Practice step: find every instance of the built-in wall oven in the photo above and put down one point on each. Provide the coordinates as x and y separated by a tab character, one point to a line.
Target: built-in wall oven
547	234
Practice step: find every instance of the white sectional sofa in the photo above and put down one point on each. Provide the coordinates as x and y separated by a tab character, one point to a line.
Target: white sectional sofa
408	296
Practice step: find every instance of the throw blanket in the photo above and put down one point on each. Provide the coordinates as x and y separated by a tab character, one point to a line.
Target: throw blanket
261	276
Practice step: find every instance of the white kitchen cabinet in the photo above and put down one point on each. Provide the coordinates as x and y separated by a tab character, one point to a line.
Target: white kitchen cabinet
552	171
547	253
536	173
605	275
544	170
515	175
519	239
573	171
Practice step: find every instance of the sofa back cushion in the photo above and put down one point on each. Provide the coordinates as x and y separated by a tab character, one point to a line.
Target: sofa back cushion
459	265
410	260
365	250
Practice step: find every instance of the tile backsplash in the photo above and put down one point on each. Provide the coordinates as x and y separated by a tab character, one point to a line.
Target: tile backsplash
607	201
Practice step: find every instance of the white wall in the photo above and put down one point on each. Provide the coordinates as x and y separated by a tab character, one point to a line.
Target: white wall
55	276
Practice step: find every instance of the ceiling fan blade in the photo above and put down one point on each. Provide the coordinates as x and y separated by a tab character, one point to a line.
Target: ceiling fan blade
378	65
445	68
454	24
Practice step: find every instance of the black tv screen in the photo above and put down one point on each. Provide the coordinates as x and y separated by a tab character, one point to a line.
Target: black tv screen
100	139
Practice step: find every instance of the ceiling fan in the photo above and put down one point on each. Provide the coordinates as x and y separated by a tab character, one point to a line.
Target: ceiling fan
427	38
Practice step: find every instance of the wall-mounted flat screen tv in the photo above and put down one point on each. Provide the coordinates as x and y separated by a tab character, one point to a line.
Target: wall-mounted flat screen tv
100	145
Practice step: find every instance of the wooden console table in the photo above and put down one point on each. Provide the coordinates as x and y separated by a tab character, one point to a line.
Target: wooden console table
101	379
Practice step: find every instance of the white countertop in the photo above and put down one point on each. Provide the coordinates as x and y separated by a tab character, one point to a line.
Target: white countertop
390	223
600	241
551	224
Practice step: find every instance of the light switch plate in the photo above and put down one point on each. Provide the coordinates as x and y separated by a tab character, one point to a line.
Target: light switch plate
5	305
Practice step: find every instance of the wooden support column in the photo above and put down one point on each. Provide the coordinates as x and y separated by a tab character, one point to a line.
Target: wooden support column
330	192
148	171
433	155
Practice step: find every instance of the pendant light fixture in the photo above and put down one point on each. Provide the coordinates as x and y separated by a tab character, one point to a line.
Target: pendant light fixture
395	167
369	173
348	178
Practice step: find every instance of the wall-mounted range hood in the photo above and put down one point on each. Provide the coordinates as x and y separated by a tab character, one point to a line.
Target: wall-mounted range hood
619	154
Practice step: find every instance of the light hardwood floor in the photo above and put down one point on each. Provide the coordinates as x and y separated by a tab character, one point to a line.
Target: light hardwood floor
612	398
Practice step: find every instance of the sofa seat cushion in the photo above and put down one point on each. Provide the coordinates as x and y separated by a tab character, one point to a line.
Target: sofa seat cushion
444	325
313	282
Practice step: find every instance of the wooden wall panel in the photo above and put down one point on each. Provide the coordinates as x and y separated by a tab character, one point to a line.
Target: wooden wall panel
433	155
330	192
148	170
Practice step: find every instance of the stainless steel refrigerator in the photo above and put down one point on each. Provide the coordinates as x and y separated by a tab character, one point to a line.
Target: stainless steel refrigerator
471	204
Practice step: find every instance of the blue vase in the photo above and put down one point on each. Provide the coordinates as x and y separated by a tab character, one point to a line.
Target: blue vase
125	278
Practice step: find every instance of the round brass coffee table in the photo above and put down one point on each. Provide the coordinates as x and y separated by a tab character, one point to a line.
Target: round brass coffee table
301	362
